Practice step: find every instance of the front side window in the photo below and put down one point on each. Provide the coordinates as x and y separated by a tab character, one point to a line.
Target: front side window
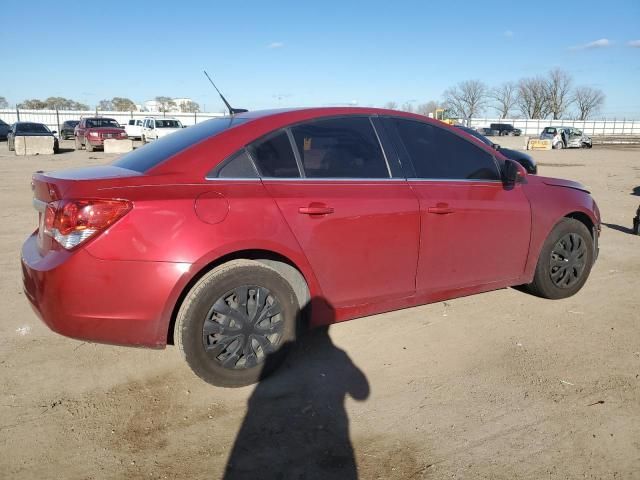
340	148
274	157
439	154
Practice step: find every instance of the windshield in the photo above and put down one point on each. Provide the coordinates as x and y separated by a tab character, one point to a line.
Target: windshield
71	123
145	158
102	122
550	130
476	134
32	128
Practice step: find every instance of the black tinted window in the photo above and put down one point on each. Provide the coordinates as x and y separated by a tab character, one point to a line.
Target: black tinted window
31	128
437	153
152	154
274	157
238	166
340	148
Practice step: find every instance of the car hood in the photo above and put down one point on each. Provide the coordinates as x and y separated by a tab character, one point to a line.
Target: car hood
560	182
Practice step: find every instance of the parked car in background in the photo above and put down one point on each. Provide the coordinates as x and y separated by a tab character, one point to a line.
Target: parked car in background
155	128
227	235
133	128
524	159
91	132
505	129
67	129
566	137
4	130
30	129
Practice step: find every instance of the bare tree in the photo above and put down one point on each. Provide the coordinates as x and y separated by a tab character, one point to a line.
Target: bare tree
122	104
189	107
105	105
532	98
558	88
427	108
165	104
588	100
407	107
33	104
505	97
3	103
391	105
466	99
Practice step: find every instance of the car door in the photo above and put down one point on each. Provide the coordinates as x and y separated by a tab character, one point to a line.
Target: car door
474	231
357	225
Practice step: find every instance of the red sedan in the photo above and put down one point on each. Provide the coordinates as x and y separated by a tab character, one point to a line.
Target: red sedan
223	238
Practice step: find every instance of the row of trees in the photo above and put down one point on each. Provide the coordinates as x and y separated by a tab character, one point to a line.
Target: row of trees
118	104
552	95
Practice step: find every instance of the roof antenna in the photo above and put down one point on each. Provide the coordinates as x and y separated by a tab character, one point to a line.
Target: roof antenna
232	111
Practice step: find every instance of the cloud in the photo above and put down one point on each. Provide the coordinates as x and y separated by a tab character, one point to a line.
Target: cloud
634	43
508	33
602	43
275	45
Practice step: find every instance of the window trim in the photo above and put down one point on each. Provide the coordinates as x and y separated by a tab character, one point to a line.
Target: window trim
296	153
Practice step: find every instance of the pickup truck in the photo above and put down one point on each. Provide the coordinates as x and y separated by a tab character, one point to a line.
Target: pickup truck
505	129
91	132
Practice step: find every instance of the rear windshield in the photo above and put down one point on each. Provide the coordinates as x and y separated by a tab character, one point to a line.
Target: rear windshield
102	122
550	130
32	128
145	158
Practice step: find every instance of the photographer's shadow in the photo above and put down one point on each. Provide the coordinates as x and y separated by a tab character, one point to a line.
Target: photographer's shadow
296	426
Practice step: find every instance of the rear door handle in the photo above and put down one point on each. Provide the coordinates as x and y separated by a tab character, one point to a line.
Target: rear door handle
440	209
315	209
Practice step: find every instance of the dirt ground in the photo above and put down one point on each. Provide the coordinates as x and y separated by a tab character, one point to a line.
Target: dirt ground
501	385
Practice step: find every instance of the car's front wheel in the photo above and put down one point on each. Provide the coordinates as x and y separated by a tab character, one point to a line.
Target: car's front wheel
236	323
565	261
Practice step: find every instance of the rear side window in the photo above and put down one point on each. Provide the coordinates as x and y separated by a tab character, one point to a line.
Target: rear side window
340	148
274	157
439	154
237	166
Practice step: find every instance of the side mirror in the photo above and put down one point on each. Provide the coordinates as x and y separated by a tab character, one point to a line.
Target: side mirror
513	173
184	126
54	132
496	146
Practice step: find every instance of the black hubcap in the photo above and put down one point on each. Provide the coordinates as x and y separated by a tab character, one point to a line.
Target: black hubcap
568	260
243	327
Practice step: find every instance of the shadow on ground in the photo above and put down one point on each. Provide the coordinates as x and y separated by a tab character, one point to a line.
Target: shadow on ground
296	426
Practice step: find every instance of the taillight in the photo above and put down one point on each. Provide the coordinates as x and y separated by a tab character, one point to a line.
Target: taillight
71	222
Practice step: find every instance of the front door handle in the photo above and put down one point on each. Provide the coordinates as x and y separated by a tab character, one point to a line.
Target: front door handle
440	209
316	209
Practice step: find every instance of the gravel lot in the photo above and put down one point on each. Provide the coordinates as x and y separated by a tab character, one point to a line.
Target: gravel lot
501	385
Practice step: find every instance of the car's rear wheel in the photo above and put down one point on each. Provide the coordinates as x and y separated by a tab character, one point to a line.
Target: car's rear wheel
565	261
558	146
236	323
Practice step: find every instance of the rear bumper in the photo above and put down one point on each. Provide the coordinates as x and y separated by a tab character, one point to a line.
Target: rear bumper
106	301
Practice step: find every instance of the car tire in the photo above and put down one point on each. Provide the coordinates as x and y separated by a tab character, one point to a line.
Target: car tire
56	147
558	146
9	146
78	143
236	350
87	145
143	139
565	261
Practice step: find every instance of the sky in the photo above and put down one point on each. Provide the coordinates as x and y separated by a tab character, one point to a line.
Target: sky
296	53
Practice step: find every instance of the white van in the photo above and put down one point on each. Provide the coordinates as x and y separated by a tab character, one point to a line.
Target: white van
154	128
133	128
